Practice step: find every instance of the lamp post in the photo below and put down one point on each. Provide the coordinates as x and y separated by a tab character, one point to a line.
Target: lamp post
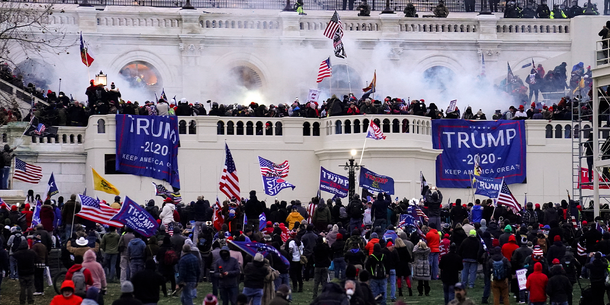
351	166
188	5
484	9
388	9
101	79
288	7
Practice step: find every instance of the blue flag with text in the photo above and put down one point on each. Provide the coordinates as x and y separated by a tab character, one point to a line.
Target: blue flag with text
273	185
136	217
375	182
333	183
489	187
148	146
498	147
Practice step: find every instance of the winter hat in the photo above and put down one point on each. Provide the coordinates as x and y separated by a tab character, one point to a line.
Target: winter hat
537	205
374	235
339	236
389	244
472	233
530	244
495	242
258	257
92	293
508	228
126	287
444	236
284	290
186	248
537	251
168	200
557	238
521	107
584	222
579	207
210	299
14	208
556	261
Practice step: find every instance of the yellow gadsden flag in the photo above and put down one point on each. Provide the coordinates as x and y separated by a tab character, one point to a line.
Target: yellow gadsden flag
103	185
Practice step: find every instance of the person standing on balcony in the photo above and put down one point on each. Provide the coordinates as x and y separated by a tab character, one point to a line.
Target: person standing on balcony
7	157
604	34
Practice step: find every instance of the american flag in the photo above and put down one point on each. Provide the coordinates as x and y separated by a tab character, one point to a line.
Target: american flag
506	198
334	26
270	169
218	217
161	190
229	182
325	70
581	250
420	213
374	132
310	210
574	224
27	172
93	210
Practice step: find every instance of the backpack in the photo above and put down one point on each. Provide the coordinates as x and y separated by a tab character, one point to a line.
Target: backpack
342	212
379	271
80	287
498	270
170	258
16	243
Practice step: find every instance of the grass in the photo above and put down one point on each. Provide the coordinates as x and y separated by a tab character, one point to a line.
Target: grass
9	294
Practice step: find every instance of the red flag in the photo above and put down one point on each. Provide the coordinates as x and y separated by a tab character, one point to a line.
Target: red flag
84	53
218	218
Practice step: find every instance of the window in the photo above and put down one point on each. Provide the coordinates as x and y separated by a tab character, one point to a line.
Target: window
110	165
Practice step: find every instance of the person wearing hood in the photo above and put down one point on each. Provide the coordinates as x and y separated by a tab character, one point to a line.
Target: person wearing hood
493	229
355	210
510	247
28	215
227	270
483	227
146	284
253	209
433	201
332	293
372	242
378	282
254	278
331	237
550	214
66	296
450	266
476	214
338	257
25	261
167	213
321	255
458	235
293	217
47	216
530	217
127	297
499	268
166	268
97	274
152	209
78	261
508	231
597	275
470	251
136	252
458	213
536	285
421	267
571	266
92	297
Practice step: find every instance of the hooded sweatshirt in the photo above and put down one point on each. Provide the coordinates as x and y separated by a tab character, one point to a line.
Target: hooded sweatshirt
536	284
167	214
61	300
96	269
510	247
559	287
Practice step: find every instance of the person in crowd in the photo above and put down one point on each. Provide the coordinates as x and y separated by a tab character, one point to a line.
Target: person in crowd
559	287
536	285
421	267
41	259
124	242
136	252
227	270
597	275
282	295
404	268
80	276
188	275
26	260
375	265
97	274
470	252
391	262
433	241
66	296
450	266
321	255
147	284
295	251
254	276
459	291
127	297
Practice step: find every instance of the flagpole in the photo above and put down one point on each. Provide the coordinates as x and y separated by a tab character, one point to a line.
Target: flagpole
362	153
349	82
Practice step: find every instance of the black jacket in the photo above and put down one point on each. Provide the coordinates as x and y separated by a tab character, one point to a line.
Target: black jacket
470	248
391	260
556	251
321	255
450	266
332	294
558	287
25	261
253	207
200	210
127	299
146	285
597	270
254	275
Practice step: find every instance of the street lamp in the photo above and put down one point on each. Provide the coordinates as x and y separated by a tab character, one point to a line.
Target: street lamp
351	166
101	79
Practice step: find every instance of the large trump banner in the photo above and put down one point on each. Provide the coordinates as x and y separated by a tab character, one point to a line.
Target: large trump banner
148	146
497	147
376	183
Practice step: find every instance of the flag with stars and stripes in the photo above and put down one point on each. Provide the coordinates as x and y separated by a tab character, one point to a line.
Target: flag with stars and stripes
374	132
161	190
325	70
270	169
229	182
27	172
506	198
92	209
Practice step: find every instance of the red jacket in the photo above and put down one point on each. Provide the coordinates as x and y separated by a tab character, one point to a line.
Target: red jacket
536	284
371	244
434	241
509	247
87	273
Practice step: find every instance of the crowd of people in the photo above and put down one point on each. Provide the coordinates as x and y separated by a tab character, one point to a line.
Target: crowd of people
367	247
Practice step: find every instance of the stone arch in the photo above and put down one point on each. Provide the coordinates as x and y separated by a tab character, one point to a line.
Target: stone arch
239	130
220	128
357	126
182	127
306	129
249	128
316	129
101	126
166	74
439	60
348	126
230	128
192	127
279	129
548	131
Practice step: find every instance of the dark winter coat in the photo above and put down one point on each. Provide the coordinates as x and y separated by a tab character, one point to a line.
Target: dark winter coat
450	266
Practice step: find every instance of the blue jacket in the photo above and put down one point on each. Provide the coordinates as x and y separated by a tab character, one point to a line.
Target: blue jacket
136	249
476	214
188	269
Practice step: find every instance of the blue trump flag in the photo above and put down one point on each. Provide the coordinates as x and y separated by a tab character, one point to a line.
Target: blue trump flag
498	147
333	183
375	182
489	187
262	221
273	185
136	217
148	146
36	215
252	248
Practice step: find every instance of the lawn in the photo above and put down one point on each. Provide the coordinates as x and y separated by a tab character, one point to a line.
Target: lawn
9	294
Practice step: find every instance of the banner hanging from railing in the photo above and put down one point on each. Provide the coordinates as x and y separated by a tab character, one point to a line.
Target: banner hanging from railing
498	147
148	146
